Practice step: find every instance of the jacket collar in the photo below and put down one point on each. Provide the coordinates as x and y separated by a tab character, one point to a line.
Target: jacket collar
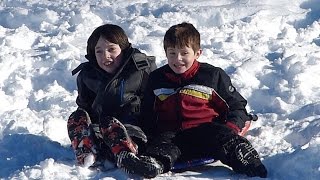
179	78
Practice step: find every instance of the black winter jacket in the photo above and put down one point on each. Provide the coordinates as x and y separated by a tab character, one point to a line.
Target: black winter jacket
203	94
119	95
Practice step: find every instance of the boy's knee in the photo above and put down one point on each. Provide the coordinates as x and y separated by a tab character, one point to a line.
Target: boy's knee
109	121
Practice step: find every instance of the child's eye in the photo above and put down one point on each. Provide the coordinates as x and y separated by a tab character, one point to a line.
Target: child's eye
111	49
98	51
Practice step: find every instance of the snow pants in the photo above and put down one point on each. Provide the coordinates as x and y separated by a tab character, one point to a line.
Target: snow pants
207	140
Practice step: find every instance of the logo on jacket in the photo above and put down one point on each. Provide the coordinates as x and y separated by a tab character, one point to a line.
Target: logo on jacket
231	88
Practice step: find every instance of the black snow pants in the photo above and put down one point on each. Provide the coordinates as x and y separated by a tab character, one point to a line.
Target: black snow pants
206	140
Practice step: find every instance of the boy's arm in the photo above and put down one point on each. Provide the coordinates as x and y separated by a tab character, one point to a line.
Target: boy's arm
237	114
85	96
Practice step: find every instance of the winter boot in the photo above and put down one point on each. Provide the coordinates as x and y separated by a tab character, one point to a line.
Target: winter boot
145	166
243	158
81	137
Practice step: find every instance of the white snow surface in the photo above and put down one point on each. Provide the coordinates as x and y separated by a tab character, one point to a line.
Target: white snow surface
269	48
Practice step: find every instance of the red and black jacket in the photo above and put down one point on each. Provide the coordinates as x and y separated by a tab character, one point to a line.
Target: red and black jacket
203	94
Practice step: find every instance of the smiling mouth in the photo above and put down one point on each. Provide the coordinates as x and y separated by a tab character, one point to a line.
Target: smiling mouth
108	63
178	65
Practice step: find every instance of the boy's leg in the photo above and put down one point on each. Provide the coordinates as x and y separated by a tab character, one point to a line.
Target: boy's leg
81	136
125	150
220	142
197	143
104	158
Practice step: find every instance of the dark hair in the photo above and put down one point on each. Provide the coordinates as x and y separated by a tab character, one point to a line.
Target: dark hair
110	32
184	34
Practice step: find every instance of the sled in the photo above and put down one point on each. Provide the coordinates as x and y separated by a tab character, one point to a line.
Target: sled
178	166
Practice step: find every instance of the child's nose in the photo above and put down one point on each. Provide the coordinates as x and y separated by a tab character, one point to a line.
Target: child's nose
179	57
107	55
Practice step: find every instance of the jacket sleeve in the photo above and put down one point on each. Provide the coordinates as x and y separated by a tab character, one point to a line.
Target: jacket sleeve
237	113
85	96
147	120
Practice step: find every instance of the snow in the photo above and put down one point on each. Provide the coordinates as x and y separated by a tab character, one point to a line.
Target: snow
269	48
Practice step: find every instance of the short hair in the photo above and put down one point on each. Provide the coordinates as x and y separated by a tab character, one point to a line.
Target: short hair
184	34
110	32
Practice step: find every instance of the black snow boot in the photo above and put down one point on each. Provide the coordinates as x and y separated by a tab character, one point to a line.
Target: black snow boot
145	166
243	158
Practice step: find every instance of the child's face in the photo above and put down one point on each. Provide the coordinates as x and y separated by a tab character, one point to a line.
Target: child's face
108	55
181	59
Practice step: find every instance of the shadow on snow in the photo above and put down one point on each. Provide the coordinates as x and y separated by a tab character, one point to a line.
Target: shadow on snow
19	150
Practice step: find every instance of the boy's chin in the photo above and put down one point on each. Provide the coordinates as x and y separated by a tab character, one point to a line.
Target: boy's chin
179	71
109	69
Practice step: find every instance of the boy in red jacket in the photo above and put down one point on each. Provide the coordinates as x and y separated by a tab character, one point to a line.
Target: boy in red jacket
191	109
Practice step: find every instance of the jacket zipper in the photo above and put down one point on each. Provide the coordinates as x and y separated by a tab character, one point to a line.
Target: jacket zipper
178	108
121	93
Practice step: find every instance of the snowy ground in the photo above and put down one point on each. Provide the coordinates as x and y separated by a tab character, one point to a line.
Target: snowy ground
269	48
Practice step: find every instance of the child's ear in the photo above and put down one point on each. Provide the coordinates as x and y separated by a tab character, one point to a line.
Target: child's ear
198	53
